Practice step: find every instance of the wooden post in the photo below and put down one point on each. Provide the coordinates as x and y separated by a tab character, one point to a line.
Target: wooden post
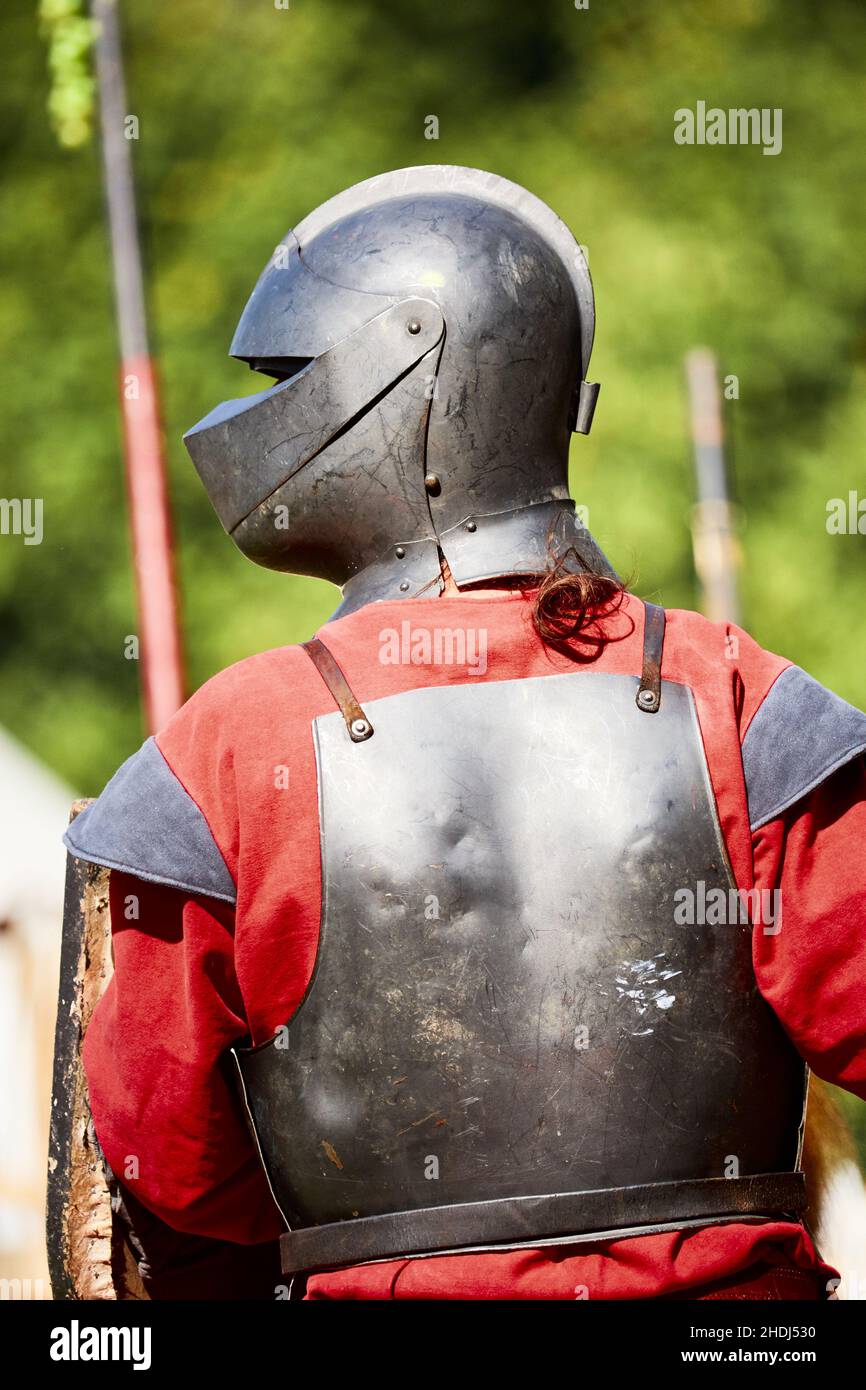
88	1257
713	532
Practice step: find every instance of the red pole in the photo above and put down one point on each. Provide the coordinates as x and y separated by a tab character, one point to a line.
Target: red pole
159	633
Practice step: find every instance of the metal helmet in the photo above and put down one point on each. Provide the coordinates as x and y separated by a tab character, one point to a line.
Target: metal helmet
430	330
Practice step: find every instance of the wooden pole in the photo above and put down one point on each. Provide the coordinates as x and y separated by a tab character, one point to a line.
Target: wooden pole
159	631
713	532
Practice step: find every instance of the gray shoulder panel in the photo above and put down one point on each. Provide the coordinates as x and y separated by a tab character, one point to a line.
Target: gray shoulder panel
800	736
146	824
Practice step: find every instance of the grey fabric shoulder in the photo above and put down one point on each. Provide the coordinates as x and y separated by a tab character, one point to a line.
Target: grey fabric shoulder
800	736
146	824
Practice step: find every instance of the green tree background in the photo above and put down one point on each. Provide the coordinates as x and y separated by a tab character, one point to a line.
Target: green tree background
251	115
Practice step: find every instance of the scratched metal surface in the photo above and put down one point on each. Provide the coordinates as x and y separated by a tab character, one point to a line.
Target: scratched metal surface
503	1003
442	320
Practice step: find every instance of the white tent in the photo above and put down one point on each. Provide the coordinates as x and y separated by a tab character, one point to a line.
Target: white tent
34	809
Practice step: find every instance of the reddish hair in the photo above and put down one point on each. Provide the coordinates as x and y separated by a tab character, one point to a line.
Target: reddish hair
570	604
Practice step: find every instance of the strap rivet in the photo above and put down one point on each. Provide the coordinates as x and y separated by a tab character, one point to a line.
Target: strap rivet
647	699
360	728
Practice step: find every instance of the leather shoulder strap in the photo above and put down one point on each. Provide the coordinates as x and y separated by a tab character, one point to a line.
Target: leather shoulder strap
649	695
325	662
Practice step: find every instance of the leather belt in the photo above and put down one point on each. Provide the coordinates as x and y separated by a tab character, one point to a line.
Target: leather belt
508	1220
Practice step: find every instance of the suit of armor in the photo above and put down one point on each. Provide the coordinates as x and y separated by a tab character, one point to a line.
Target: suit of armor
487	935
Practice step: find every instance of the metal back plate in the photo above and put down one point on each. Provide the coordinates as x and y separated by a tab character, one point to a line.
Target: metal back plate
503	1001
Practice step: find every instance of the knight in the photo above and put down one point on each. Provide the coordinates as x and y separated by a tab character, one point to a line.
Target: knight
406	996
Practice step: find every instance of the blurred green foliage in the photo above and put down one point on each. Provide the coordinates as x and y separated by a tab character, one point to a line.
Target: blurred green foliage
250	115
69	35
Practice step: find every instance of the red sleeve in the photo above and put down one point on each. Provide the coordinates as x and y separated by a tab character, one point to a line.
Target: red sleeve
812	971
165	1105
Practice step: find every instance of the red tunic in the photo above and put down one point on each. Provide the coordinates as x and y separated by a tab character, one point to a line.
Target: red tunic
193	975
